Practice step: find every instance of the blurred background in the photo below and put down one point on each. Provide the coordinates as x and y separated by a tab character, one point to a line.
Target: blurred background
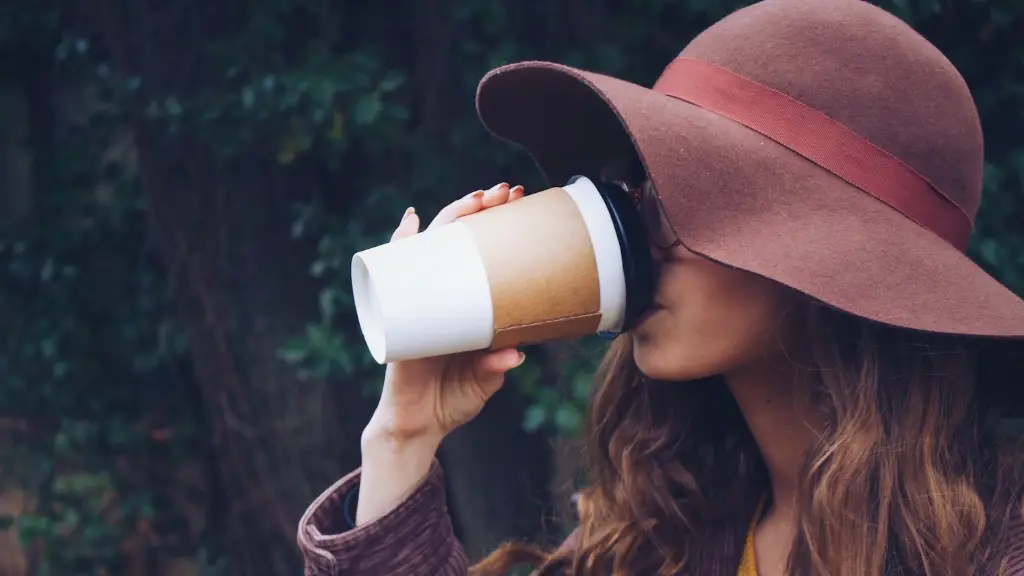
182	185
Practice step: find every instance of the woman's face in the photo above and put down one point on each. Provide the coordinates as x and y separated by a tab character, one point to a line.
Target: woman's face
706	319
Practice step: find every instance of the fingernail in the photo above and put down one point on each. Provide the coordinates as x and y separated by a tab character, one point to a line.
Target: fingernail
477	195
519	360
515	188
408	212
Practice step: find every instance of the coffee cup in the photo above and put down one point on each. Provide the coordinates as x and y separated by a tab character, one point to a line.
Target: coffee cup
562	263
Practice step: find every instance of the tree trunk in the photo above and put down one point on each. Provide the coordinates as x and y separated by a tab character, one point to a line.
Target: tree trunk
242	285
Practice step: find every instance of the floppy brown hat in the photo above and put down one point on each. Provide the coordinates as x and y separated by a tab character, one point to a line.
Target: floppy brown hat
820	143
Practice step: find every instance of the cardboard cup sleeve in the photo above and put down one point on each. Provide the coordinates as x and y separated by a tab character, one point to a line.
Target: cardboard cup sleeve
545	267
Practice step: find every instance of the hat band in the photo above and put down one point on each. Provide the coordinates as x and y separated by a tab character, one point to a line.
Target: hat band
821	140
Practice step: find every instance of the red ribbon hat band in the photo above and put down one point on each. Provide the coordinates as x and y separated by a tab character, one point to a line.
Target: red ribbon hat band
821	140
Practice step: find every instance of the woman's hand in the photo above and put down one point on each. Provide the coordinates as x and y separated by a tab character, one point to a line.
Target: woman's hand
433	396
423	400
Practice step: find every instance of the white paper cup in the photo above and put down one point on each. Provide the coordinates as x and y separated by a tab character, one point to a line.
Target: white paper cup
545	267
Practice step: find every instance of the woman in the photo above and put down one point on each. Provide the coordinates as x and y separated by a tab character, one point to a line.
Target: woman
811	391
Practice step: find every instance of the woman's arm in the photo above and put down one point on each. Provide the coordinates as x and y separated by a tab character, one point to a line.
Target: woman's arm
400	524
413	538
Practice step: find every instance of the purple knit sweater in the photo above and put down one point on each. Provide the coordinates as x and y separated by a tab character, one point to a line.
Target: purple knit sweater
416	538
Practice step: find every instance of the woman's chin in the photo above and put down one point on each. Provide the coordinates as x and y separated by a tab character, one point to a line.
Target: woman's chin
657	363
649	361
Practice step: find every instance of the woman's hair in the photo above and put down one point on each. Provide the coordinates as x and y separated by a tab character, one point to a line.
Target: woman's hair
908	477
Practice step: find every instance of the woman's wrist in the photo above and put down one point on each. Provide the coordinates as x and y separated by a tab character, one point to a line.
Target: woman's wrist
385	432
386	442
393	466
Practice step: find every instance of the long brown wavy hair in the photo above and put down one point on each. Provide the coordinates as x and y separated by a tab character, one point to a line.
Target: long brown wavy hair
910	476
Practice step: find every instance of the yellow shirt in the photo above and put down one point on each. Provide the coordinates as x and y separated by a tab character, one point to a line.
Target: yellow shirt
748	563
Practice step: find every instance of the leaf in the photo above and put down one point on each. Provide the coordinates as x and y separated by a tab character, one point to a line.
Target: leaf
904	10
989	250
294	351
394	80
368	108
286	155
172	106
248	97
568	419
534	417
317	268
337	126
327	301
581	387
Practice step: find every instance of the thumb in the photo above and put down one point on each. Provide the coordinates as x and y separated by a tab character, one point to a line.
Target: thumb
409	225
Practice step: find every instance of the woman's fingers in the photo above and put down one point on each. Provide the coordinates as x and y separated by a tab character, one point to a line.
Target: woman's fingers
499	361
469	204
466	205
490	368
409	225
495	196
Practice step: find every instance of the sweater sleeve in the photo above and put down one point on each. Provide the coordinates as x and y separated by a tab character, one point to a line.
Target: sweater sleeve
413	539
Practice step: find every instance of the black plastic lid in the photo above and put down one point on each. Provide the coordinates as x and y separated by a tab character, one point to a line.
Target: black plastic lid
637	264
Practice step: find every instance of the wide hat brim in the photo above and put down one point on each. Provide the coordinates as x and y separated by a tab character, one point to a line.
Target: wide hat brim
739	198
